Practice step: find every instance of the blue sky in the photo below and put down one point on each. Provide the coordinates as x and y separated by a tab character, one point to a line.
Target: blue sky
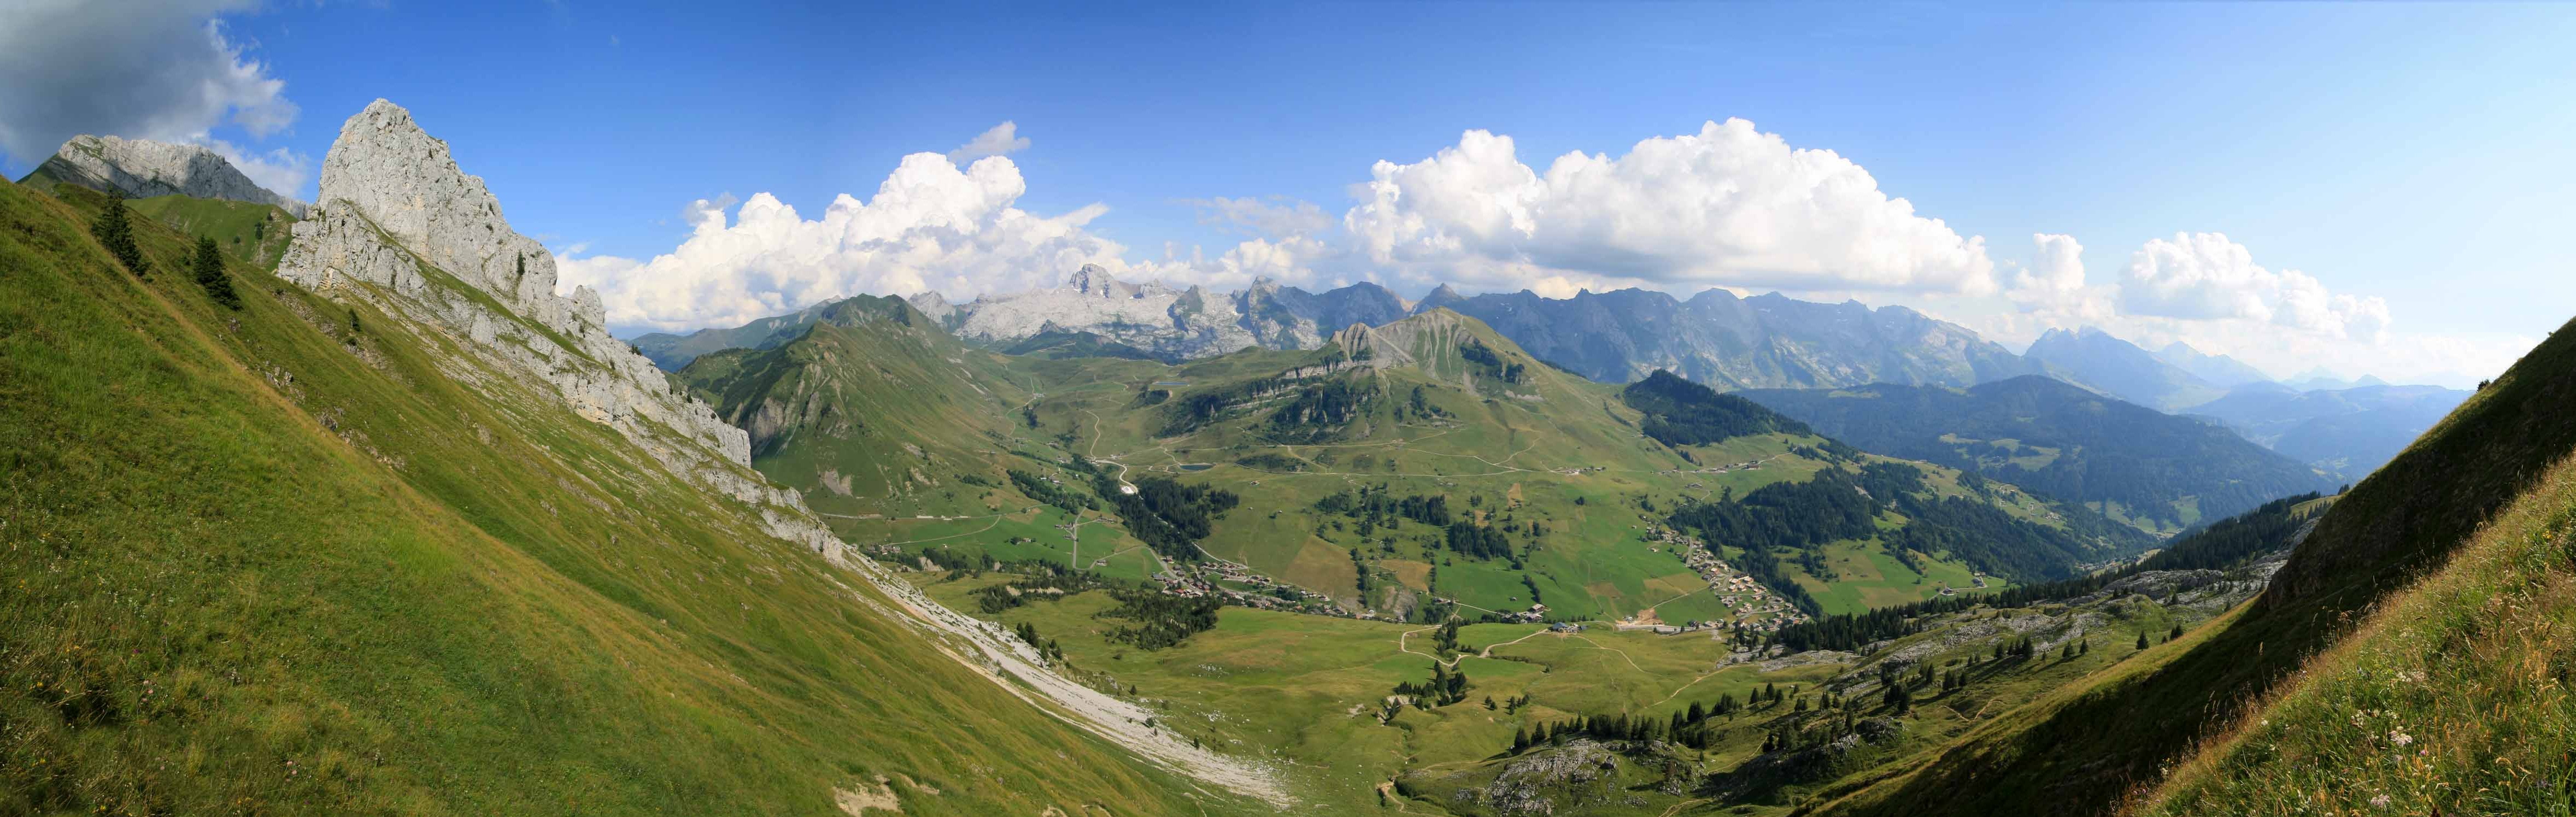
2416	154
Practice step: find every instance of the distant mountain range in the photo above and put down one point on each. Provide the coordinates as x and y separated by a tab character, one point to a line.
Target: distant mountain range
2345	432
1728	342
1715	338
2155	470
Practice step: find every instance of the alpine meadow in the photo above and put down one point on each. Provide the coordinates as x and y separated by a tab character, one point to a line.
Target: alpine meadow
1451	409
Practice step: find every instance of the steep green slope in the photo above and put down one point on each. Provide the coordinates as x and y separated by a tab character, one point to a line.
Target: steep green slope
2449	699
2154	470
255	233
279	561
2085	749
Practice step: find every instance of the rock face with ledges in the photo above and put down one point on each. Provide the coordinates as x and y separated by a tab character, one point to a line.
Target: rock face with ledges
142	168
402	227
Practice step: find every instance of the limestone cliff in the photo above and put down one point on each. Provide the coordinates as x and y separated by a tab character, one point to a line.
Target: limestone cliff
400	226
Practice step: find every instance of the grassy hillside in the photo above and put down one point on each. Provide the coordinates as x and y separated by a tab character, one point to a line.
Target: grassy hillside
1555	490
1328	697
2450	698
278	561
874	410
2087	748
256	234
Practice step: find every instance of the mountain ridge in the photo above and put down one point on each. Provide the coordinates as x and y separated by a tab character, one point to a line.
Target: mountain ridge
142	169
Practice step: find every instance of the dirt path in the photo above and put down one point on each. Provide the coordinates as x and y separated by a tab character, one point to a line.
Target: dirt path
997	522
1677	807
1632	663
1488	651
1016	668
1399	647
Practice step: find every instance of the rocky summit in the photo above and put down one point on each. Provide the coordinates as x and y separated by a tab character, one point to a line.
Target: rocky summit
142	168
401	226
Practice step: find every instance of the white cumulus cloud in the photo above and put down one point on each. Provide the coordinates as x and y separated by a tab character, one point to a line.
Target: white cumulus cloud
163	71
931	225
1727	206
2206	276
1001	140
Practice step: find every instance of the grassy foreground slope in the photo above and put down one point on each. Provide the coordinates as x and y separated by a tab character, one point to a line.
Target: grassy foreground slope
278	561
2451	699
2091	748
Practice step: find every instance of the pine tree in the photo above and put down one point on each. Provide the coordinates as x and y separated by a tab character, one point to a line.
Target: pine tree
210	274
115	231
2142	639
2086	648
2177	633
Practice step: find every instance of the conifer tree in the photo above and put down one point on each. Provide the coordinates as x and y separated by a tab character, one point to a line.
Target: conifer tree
2142	639
210	274
2177	633
115	231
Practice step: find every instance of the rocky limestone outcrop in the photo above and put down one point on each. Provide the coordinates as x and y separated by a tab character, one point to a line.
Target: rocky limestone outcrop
141	168
1150	316
401	226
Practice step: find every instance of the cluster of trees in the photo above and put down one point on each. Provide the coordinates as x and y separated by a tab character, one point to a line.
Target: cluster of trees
1169	516
1690	727
2225	545
1491	364
1679	412
1045	647
1596	727
1271	461
1784	516
1419	406
1037	488
1445	687
1319	408
1160	619
1480	541
1987	538
1826	507
996	598
1375	508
